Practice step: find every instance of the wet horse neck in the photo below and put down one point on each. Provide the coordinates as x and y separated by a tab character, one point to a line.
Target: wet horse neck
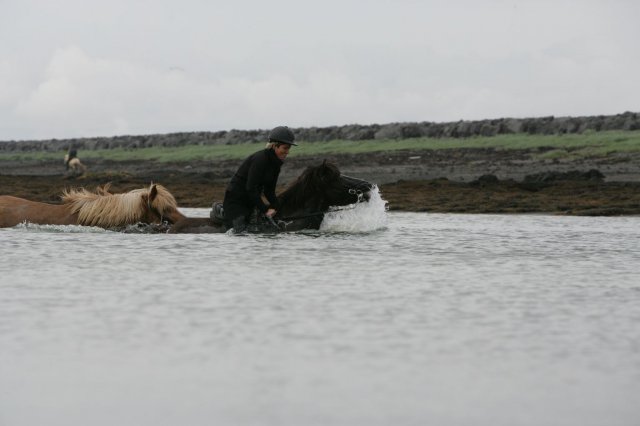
14	210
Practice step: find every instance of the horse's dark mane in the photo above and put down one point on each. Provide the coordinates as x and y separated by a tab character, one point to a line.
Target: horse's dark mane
312	181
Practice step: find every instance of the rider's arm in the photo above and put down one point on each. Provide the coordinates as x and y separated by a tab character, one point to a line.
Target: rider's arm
255	184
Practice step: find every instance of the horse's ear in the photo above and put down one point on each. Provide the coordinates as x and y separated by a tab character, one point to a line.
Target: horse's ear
324	167
153	193
104	189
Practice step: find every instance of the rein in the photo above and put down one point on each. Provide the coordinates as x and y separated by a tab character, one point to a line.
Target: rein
302	216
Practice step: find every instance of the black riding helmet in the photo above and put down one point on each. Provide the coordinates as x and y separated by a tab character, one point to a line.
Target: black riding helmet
282	134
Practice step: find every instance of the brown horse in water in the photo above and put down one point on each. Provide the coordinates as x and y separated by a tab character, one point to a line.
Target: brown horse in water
101	208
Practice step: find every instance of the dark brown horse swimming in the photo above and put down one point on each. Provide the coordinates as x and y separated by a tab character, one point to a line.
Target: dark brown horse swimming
302	204
151	205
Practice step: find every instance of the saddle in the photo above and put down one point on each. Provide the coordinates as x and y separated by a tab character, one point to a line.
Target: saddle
258	223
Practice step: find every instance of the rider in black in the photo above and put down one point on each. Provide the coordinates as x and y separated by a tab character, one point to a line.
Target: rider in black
257	175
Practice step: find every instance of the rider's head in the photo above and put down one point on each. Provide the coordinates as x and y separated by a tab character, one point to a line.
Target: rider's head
280	140
282	134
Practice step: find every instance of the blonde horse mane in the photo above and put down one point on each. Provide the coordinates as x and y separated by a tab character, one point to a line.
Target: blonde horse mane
104	209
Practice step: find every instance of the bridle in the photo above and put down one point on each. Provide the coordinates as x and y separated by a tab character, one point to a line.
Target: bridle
356	184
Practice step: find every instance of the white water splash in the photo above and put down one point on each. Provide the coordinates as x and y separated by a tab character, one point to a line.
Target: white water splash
361	217
67	229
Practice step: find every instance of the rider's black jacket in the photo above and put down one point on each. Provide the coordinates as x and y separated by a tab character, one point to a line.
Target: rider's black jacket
256	175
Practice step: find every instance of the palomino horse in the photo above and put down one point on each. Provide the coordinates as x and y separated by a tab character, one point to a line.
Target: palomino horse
101	208
302	204
74	166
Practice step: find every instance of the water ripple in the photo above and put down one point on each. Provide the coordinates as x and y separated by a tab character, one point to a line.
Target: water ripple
429	319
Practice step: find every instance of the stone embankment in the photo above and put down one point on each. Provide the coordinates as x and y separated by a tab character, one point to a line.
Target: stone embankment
458	129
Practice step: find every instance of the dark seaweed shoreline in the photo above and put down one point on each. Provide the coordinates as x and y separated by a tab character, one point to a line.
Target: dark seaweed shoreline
425	184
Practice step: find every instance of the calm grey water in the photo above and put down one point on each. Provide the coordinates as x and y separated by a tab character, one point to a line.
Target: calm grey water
421	319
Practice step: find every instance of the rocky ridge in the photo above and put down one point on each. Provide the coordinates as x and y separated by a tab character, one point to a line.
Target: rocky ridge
354	132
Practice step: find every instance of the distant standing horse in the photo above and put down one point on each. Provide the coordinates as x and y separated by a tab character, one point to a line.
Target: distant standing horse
81	207
302	204
74	167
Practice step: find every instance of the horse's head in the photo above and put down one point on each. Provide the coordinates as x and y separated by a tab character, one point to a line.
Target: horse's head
323	186
357	188
341	190
160	206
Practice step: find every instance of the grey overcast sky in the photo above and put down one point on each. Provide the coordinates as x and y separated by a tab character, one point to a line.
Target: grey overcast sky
79	68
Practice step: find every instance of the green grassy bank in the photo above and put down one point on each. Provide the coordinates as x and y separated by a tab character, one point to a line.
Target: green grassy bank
549	146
